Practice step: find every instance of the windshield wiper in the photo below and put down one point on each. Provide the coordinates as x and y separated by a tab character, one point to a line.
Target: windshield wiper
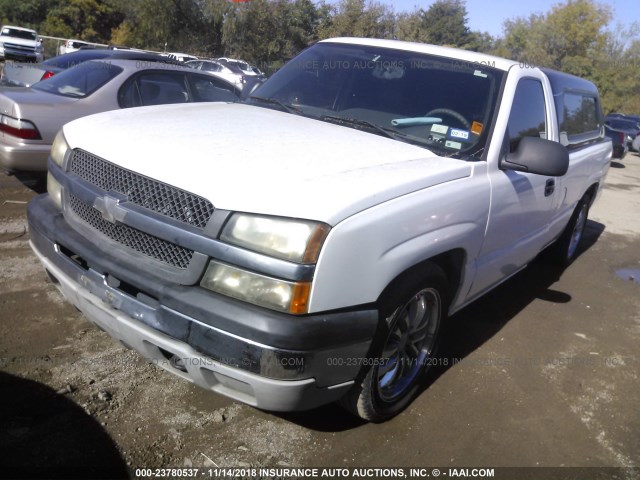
355	122
387	132
274	101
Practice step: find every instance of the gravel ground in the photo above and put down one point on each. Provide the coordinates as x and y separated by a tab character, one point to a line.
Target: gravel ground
542	372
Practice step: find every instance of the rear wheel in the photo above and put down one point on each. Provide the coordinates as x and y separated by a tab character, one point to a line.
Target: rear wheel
565	249
404	348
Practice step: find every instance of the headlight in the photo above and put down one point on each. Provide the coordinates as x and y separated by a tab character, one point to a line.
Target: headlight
55	190
295	240
290	297
59	149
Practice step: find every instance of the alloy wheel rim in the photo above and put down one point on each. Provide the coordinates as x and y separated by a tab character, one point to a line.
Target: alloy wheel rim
409	345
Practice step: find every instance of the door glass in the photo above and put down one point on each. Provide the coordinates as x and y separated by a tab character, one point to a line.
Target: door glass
528	117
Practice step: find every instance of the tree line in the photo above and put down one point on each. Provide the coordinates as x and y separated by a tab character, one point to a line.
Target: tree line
576	36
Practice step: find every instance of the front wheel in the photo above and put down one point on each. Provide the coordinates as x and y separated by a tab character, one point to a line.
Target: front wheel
405	347
565	249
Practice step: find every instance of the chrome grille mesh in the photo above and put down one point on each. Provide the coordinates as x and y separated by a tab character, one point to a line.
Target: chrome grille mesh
143	191
137	240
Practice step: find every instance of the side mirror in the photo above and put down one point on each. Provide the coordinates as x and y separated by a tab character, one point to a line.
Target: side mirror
538	156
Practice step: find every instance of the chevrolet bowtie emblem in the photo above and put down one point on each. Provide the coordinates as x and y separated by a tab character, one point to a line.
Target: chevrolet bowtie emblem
110	208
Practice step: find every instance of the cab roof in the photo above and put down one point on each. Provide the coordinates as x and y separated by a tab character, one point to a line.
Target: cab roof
463	55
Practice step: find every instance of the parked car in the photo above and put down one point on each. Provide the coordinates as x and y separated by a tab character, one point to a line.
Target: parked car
228	71
618	140
70	46
32	116
17	43
307	245
624	116
635	145
631	128
26	74
181	57
246	68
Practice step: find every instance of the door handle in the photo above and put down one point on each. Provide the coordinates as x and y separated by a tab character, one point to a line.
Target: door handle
549	187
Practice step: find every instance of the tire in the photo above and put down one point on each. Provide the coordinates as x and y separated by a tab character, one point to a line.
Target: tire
411	315
565	250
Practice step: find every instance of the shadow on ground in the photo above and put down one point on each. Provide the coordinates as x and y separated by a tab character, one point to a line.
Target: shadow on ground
46	435
36	181
471	327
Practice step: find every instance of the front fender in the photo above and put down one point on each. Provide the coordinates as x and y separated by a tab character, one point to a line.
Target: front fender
364	253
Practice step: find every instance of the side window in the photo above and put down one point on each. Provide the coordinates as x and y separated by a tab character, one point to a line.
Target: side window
129	95
211	89
528	113
159	88
580	114
211	67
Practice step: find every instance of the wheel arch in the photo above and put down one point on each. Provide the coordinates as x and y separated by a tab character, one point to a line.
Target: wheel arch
451	262
592	191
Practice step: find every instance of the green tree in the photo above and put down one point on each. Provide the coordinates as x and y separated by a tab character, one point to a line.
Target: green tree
152	24
270	32
573	38
445	23
357	18
90	20
26	13
568	38
410	27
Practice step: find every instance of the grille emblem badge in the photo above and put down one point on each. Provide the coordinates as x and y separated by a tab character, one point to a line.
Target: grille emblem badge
110	209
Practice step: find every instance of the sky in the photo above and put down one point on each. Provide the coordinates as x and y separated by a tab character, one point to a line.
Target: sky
489	15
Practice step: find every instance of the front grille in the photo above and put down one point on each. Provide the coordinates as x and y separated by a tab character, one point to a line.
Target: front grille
143	191
19	48
137	240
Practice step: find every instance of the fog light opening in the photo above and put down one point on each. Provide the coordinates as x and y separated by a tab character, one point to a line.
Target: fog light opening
174	360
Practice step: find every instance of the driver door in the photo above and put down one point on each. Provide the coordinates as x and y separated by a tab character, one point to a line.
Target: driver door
522	204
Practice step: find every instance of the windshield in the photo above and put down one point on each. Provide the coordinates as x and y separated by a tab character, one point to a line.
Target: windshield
79	81
24	34
442	104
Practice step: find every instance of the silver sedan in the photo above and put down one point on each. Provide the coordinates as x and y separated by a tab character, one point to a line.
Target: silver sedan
31	117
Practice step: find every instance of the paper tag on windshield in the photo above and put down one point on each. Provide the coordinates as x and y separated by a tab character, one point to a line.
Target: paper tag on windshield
439	129
476	127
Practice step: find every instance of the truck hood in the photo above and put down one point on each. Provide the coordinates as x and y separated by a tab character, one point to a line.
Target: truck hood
253	159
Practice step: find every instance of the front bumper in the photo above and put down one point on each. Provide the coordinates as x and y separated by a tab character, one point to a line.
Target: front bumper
275	361
9	53
16	155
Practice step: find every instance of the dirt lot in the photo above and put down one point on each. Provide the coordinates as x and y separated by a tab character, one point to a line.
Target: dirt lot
543	372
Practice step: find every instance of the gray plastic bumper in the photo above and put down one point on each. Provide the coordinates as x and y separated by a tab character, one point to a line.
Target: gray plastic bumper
265	376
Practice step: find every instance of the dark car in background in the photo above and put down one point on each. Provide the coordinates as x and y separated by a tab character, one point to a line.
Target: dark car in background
26	74
624	116
618	140
630	127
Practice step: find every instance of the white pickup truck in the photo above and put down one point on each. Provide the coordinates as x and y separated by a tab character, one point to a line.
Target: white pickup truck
18	43
306	245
